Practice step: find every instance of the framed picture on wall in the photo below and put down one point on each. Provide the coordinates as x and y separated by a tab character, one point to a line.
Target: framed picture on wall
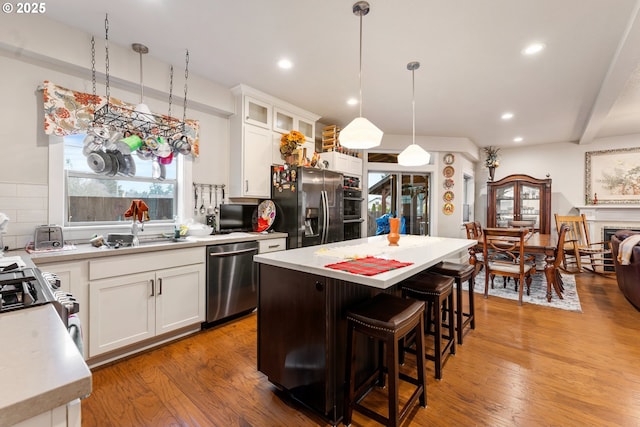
613	176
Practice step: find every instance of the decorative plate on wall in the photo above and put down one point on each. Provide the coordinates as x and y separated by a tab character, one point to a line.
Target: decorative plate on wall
448	171
447	196
448	159
447	208
448	183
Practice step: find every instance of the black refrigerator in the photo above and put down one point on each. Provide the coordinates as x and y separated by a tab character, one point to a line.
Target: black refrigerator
309	205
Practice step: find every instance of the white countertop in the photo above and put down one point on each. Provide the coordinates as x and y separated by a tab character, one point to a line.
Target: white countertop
422	251
41	367
86	251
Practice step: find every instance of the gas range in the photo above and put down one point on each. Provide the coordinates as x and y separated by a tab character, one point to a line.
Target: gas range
22	288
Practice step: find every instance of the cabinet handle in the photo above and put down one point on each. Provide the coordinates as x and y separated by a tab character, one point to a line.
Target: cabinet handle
153	287
246	185
319	286
273	246
160	285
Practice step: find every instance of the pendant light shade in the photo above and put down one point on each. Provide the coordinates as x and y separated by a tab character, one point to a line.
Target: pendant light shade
413	155
360	134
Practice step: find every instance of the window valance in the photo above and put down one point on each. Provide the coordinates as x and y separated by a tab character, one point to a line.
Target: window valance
68	112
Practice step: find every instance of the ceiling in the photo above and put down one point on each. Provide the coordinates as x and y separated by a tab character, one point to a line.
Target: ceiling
583	85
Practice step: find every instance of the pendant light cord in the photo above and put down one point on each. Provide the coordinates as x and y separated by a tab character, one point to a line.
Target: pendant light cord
141	82
413	102
360	73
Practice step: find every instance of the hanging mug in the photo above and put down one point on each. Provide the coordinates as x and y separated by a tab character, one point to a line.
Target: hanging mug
181	145
129	144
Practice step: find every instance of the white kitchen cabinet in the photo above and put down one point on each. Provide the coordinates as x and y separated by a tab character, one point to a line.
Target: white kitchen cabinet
257	112
255	139
272	245
285	121
140	299
251	170
348	165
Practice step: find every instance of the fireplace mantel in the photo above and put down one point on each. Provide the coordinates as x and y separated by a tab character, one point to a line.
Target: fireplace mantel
610	216
611	213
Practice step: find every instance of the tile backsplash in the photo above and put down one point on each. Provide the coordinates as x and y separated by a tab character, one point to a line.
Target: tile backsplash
26	205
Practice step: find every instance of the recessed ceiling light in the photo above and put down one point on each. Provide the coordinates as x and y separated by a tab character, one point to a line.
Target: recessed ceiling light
352	101
533	48
285	64
507	116
517	139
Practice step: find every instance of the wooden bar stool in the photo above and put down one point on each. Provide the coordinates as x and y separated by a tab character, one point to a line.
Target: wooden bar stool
388	319
437	291
460	273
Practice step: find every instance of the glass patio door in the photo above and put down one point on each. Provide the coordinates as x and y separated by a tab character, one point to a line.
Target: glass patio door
414	205
398	194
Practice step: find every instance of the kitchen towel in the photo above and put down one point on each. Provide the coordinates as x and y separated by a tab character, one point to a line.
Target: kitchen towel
368	266
139	210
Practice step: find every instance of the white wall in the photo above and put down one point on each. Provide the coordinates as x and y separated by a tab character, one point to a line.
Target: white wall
564	162
28	56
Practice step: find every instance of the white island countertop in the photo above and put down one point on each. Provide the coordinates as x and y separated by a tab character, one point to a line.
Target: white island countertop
422	251
41	367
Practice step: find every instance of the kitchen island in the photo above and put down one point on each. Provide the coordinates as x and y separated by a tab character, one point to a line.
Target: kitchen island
302	306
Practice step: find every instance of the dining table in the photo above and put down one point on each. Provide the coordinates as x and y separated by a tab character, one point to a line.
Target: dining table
536	243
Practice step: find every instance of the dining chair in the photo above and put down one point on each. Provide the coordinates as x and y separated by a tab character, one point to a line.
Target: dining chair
557	262
579	252
474	231
504	255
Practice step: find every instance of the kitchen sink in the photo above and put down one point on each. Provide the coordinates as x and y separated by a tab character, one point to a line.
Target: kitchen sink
125	240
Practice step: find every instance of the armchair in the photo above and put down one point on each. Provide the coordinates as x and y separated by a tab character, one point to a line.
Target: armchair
627	275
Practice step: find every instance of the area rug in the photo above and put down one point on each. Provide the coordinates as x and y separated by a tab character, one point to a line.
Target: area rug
538	293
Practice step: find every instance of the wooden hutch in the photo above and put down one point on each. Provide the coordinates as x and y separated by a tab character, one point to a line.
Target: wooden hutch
519	198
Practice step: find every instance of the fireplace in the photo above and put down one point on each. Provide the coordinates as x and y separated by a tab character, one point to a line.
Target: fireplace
607	232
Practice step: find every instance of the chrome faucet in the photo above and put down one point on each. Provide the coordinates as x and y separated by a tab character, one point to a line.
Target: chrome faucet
134	231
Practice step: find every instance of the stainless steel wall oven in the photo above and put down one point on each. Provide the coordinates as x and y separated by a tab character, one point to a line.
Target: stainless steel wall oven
352	208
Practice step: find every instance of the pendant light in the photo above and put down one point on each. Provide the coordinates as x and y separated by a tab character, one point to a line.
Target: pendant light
413	155
360	134
144	112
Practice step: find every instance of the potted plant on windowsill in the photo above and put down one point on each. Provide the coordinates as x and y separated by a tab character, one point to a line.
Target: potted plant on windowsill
492	160
289	142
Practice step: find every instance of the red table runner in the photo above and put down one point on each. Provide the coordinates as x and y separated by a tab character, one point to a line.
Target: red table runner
369	266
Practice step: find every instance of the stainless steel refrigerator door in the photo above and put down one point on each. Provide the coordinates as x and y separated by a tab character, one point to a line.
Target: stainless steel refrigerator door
333	185
310	217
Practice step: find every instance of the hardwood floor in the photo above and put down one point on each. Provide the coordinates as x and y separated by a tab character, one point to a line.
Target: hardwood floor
521	366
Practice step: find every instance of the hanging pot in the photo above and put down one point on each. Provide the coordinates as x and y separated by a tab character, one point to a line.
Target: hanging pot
122	165
99	162
113	162
158	170
131	164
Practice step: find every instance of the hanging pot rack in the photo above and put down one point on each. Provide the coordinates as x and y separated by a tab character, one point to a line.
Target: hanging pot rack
126	119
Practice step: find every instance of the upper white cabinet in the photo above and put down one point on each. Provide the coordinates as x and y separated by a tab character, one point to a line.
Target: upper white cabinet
257	112
344	163
284	122
255	132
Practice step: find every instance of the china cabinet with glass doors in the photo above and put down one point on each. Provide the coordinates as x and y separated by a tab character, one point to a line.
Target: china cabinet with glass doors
519	198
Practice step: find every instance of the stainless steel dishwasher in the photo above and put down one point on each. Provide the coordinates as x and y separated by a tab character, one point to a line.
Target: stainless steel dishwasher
232	280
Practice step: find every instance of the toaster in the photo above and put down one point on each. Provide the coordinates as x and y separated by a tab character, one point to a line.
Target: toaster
48	237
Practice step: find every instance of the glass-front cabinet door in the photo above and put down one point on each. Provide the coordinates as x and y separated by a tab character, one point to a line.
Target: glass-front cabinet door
517	199
257	112
530	204
505	205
